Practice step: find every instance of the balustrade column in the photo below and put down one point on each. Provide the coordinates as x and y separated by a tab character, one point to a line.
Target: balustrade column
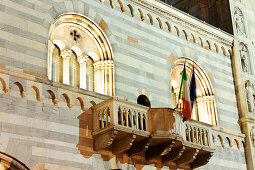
66	55
51	47
126	115
121	116
136	120
131	118
82	60
141	121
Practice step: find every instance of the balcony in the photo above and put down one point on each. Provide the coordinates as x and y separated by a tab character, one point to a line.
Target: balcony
150	135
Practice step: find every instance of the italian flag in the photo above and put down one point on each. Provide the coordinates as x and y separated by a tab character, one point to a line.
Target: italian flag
184	94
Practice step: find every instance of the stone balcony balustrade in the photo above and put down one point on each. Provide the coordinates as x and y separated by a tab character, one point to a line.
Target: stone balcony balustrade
150	135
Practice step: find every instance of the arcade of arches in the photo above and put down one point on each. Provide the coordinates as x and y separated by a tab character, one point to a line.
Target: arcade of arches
204	108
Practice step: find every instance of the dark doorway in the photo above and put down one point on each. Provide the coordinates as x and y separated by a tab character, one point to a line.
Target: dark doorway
143	100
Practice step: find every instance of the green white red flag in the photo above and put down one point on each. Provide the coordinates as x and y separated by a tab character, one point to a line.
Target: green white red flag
184	95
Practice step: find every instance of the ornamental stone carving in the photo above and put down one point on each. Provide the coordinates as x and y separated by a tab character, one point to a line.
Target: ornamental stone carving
245	59
252	135
249	87
82	59
239	21
66	54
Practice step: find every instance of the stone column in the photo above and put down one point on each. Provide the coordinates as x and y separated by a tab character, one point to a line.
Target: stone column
51	47
82	60
66	55
97	78
108	70
111	77
103	71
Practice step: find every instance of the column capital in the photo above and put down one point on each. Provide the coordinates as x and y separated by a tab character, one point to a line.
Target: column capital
82	59
66	54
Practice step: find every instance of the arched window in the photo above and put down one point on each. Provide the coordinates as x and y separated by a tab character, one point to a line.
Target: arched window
9	162
80	55
143	100
204	108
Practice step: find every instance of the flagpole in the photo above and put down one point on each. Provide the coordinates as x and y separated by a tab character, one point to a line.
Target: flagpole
178	104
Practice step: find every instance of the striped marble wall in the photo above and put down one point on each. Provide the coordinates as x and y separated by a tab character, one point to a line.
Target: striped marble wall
143	57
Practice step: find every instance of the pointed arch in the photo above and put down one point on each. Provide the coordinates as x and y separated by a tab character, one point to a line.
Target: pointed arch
4	87
37	93
131	10
150	18
81	103
67	100
53	97
21	89
159	23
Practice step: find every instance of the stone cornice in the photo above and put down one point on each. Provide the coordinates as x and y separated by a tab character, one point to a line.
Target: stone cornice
186	20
